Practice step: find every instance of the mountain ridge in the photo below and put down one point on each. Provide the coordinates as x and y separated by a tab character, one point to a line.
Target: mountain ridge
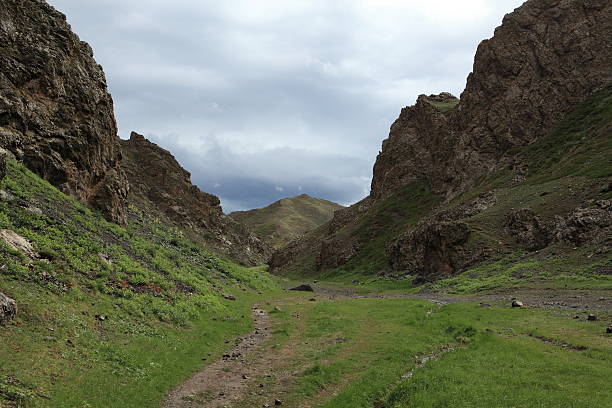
287	218
545	59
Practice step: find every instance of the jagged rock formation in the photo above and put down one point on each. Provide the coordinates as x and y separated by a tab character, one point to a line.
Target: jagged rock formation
546	58
56	114
287	219
161	187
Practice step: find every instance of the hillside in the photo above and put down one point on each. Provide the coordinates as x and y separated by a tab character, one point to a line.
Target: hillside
90	294
517	165
287	219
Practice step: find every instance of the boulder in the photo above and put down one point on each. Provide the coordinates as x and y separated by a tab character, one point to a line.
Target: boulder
8	309
303	288
18	243
517	303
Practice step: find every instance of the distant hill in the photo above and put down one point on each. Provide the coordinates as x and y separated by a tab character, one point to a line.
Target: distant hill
287	219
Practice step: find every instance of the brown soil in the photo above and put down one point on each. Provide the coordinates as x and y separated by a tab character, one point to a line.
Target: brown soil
225	381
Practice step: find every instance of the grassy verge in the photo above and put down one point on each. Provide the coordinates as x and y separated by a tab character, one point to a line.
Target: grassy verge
109	316
354	353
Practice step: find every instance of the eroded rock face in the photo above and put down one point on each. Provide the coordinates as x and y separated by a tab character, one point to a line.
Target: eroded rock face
159	185
546	57
336	252
8	309
434	249
592	223
56	114
528	229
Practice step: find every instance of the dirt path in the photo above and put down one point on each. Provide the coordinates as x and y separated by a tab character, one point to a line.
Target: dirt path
241	373
225	381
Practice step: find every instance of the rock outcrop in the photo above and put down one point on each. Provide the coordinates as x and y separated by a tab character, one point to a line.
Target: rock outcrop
56	114
584	224
160	186
434	250
528	229
18	243
545	58
8	309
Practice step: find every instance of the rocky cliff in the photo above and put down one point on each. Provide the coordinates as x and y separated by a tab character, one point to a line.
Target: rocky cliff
159	186
287	219
56	114
545	58
505	132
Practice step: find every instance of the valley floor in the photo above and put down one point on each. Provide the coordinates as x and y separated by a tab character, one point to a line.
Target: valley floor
335	348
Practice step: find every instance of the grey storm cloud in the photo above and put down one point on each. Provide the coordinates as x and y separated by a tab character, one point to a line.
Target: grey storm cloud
267	99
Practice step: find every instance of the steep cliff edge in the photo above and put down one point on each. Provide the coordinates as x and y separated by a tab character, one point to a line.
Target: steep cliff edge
55	112
160	187
545	58
534	119
287	219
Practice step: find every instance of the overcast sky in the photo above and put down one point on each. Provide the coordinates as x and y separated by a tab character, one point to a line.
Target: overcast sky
263	99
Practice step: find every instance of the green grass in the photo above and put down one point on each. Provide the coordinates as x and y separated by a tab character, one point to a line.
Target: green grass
521	270
580	145
446	106
352	353
159	295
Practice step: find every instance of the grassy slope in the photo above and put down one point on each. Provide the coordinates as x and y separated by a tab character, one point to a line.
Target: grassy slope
566	168
158	297
287	219
353	353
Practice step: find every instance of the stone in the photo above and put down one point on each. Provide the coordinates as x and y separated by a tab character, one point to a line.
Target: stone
58	116
6	196
278	402
303	288
228	297
18	243
591	317
8	309
517	303
609	330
